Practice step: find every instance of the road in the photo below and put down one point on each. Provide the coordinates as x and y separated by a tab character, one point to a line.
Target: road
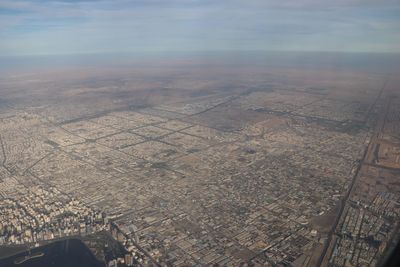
378	129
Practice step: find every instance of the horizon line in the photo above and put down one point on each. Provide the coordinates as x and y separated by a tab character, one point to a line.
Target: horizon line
175	52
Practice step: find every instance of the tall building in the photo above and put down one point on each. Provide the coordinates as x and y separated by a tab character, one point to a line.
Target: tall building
128	259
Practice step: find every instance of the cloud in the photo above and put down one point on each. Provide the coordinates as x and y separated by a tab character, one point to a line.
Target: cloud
66	26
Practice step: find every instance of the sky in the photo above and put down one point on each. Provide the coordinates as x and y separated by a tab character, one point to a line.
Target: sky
36	27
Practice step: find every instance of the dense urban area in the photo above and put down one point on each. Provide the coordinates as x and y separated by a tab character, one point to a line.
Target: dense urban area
193	166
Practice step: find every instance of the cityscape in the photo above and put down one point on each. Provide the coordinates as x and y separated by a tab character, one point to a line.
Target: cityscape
203	166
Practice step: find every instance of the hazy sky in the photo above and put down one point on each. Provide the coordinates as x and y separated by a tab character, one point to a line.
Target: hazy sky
64	27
